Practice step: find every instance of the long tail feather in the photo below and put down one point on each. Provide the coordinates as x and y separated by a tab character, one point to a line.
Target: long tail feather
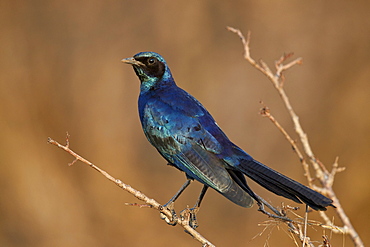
282	185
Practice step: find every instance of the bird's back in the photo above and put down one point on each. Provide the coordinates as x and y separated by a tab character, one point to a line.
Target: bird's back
182	131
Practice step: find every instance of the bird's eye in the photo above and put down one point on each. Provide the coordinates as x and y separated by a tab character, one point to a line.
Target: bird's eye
152	61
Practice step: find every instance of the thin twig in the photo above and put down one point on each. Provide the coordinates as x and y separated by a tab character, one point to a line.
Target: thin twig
305	226
151	203
322	175
265	111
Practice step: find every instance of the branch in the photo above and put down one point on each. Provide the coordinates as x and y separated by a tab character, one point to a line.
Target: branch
265	111
167	214
325	177
183	220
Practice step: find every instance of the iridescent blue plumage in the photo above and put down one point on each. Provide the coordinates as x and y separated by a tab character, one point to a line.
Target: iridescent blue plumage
187	136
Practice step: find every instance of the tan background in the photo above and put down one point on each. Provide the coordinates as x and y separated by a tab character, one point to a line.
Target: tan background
60	71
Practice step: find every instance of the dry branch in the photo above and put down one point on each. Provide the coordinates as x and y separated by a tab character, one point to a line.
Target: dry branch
183	220
325	177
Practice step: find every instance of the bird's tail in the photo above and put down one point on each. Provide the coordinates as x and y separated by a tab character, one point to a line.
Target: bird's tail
282	185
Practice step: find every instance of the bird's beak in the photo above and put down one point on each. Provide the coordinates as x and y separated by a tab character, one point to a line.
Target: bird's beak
132	61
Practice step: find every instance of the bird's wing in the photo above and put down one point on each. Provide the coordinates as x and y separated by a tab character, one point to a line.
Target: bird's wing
186	144
192	149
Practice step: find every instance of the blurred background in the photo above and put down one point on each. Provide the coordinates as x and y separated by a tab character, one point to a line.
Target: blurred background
60	71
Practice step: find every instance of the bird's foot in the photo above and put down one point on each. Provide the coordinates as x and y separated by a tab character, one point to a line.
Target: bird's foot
190	215
173	220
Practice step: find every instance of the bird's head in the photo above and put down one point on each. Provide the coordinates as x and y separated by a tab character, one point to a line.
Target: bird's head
151	68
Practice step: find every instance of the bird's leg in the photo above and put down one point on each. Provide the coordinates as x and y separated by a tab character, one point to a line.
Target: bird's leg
170	204
178	193
201	196
194	210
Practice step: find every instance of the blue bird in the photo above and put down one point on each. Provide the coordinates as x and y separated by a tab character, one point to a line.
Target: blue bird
188	137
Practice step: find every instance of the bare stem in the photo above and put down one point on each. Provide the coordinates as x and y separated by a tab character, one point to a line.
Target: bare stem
325	177
149	202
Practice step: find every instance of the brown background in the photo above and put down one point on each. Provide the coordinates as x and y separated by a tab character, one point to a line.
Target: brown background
60	71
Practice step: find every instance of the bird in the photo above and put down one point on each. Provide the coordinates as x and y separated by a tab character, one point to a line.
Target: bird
187	136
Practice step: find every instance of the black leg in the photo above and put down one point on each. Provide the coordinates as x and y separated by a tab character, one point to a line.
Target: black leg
170	204
201	196
174	198
193	211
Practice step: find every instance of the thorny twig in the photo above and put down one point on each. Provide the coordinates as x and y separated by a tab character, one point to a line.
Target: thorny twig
325	177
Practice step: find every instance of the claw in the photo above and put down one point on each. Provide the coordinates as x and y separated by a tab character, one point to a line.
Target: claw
174	218
190	215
